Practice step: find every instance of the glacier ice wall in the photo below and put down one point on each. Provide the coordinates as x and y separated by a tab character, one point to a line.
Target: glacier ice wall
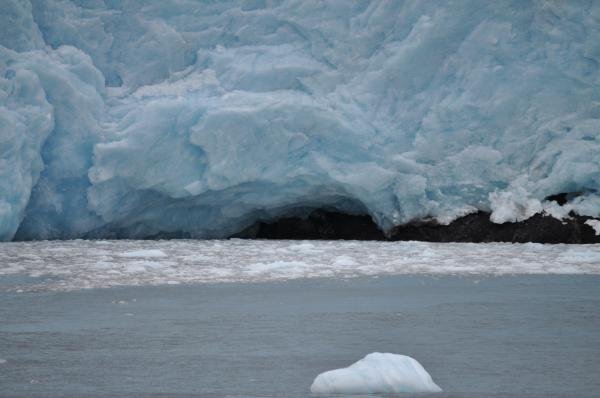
136	118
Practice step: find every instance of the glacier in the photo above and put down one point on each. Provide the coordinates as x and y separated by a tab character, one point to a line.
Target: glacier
139	118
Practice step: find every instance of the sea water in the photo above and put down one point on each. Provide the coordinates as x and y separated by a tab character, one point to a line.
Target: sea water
478	334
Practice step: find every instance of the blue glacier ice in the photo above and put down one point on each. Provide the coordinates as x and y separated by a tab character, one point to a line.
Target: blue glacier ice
134	118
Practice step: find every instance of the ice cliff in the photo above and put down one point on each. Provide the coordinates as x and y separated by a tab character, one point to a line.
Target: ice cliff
135	118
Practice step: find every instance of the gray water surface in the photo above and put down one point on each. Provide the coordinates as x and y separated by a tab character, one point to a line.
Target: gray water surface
508	336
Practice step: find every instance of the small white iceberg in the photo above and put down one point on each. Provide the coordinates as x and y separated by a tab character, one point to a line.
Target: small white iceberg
377	373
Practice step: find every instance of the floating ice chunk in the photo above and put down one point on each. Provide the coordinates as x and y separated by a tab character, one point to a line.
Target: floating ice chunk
344	260
145	253
377	373
287	268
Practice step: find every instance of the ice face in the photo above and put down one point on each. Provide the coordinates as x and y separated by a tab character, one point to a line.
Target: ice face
136	118
377	373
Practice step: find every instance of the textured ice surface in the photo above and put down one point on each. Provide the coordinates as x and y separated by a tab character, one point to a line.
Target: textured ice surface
71	265
133	118
377	373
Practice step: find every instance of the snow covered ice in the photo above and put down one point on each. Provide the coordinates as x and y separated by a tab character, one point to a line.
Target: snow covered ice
377	373
594	224
134	118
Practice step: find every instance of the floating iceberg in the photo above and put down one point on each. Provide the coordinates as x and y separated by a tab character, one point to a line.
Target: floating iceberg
377	373
140	118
